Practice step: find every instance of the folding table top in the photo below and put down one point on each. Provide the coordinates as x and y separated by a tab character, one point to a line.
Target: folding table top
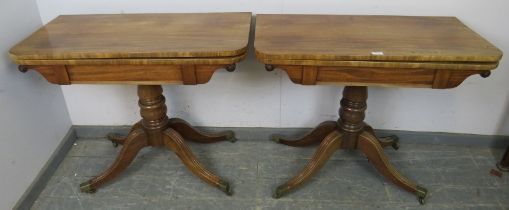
372	41
136	38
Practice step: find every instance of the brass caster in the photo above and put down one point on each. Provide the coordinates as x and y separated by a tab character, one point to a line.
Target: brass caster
114	139
275	138
421	194
394	139
225	187
86	187
395	144
502	168
230	136
280	191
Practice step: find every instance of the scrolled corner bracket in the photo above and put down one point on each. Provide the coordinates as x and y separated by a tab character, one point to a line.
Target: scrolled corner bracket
269	67
485	74
230	67
23	68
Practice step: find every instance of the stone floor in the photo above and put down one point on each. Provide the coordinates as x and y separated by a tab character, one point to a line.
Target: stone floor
456	177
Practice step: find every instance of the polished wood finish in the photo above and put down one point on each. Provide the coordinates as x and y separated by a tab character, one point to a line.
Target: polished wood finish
137	36
386	77
327	147
361	51
313	137
146	50
369	38
503	165
426	52
157	130
190	133
128	74
351	133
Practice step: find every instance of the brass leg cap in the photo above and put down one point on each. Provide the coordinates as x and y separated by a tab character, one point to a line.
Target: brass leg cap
230	136
114	138
502	168
86	187
395	144
280	191
421	194
225	187
275	138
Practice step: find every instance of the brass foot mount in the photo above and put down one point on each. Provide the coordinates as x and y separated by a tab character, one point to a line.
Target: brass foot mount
502	168
86	187
230	136
421	194
225	187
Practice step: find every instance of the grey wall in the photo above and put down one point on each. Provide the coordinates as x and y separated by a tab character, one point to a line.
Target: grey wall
33	114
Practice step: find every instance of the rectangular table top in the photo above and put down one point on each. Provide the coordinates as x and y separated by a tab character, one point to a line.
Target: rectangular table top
373	41
74	39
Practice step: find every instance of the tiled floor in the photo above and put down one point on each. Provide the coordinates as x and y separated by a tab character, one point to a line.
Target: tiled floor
457	178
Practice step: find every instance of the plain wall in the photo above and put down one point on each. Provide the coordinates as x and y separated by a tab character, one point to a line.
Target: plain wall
252	97
33	114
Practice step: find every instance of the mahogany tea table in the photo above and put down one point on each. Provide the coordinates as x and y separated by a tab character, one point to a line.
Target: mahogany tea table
362	51
147	50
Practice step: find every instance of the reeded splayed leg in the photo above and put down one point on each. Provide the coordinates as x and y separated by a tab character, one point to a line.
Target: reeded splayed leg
384	141
370	146
327	147
352	133
134	142
175	142
118	139
190	133
313	137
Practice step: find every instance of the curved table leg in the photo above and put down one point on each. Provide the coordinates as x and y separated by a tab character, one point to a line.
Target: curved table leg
313	137
175	142
134	142
327	147
117	139
190	133
384	141
370	146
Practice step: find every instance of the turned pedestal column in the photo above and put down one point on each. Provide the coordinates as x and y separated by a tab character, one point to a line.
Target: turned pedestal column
157	130
349	132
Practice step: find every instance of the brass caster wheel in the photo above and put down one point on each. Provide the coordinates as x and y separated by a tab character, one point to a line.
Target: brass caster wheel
393	139
230	136
275	138
225	187
502	168
421	194
395	144
114	138
280	191
86	187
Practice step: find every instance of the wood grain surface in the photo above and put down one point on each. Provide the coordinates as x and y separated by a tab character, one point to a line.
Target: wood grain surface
137	36
318	38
